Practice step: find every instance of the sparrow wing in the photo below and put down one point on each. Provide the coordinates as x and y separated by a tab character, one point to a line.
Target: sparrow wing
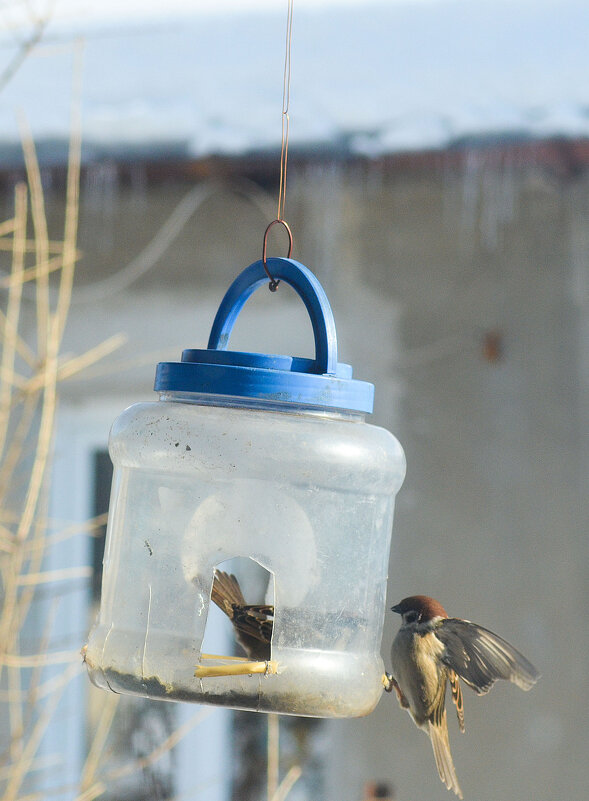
480	657
252	622
438	734
255	621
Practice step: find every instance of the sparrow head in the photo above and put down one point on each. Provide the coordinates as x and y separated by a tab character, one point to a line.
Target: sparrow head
419	609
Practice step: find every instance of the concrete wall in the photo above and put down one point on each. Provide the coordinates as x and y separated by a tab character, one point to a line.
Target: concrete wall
460	288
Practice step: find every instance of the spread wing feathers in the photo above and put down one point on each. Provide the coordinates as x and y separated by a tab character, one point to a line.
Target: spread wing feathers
480	657
438	733
457	697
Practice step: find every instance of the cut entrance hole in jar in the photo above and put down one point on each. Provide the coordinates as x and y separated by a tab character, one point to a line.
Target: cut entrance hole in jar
240	619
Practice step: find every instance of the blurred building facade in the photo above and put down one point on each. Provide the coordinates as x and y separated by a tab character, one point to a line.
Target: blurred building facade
459	281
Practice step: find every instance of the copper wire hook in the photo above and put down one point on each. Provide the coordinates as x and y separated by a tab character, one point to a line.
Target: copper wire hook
273	282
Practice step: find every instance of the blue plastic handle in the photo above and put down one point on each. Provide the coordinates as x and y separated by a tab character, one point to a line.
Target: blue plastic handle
308	288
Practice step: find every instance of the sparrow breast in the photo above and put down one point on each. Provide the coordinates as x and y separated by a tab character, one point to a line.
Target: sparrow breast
416	666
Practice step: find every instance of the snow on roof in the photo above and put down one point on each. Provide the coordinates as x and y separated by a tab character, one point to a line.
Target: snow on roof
367	79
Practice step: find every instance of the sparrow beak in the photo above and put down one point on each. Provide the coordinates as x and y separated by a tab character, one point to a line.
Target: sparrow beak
395	608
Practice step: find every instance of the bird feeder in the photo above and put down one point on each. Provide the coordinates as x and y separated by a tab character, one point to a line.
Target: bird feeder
260	456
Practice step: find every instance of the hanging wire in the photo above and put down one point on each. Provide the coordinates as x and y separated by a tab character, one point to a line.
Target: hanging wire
285	116
283	149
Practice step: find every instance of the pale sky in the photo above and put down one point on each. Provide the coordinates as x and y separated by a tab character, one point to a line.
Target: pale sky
100	11
19	14
141	9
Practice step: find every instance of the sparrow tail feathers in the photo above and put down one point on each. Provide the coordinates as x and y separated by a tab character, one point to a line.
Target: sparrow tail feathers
438	733
226	592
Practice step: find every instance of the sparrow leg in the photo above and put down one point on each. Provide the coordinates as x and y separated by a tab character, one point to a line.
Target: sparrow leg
391	685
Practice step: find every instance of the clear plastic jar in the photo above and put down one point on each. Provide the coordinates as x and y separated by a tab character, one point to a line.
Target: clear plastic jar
307	492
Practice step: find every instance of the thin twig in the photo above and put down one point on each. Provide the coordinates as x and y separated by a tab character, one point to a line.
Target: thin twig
7	635
57	322
122	365
32	698
22	766
14	451
30	246
76	364
235	668
42	269
89	527
33	660
99	740
15	711
51	576
19	343
41	763
6	228
90	357
10	334
144	762
293	775
23	51
41	236
44	688
273	767
72	205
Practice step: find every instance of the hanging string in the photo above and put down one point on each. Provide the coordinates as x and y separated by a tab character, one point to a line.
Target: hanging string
283	150
285	115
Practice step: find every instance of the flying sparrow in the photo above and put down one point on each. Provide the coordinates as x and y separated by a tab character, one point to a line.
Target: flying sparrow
252	623
431	649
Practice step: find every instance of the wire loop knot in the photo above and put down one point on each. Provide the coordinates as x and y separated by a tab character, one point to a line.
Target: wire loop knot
273	285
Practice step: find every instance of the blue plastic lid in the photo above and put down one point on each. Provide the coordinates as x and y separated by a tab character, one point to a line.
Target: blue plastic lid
320	383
